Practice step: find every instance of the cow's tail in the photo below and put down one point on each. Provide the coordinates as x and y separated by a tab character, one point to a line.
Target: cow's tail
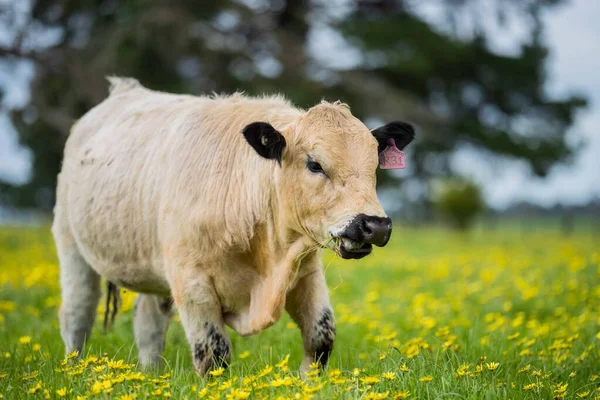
113	300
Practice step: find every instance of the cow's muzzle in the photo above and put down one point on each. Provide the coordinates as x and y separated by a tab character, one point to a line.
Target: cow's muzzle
364	231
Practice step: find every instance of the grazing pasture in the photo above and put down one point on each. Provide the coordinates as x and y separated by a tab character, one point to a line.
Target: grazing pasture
512	312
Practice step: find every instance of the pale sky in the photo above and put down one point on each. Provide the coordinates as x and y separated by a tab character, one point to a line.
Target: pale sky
573	33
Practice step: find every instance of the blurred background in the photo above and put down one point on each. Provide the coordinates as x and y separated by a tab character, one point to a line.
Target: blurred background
505	92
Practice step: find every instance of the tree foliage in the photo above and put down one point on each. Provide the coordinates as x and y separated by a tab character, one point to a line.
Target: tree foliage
459	201
456	89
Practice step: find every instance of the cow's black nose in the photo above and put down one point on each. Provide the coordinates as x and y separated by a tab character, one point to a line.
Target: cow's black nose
377	230
370	229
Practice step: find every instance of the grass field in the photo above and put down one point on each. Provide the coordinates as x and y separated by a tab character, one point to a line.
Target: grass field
512	313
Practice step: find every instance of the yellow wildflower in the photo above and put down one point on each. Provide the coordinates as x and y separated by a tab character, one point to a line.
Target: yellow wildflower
492	366
35	388
36	347
426	378
217	372
377	396
401	395
389	375
62	392
244	355
524	369
369	380
72	355
404	367
25	339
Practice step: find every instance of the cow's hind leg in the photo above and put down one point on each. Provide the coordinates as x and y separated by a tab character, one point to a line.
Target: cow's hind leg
80	287
152	315
308	305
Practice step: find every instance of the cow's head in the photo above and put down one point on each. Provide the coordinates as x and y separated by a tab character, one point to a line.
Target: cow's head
326	185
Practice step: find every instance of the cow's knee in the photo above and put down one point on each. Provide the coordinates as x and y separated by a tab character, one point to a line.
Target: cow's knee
212	348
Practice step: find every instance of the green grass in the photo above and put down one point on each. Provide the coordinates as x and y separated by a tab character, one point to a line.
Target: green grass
422	307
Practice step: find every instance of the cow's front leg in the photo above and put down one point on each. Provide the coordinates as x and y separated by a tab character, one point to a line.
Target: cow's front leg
308	305
268	296
200	313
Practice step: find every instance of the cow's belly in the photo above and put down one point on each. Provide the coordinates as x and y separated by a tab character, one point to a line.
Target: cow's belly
118	244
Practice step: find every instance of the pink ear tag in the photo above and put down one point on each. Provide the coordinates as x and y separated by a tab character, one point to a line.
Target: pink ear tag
392	157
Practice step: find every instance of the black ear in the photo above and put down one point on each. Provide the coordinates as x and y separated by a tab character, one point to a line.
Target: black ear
265	139
402	132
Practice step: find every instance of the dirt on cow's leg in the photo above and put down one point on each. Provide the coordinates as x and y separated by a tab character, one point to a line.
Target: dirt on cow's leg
152	316
308	305
201	316
80	287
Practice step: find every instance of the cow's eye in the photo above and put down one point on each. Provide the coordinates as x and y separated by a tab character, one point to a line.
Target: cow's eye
314	166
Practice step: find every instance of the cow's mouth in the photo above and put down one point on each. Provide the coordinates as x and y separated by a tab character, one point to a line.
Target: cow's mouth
348	248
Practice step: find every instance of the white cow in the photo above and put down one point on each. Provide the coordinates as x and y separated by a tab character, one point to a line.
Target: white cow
218	204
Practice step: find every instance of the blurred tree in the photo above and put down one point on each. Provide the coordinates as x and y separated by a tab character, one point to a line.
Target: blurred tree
455	88
459	201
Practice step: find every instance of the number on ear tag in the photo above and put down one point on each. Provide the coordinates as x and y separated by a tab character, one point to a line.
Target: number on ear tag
392	157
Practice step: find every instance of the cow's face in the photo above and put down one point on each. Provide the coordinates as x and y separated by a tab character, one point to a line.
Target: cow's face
327	181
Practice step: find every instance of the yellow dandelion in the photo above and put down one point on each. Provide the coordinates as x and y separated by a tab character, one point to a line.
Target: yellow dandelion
36	347
463	370
72	355
35	388
573	374
382	356
237	394
244	355
401	395
426	378
370	380
492	366
267	370
377	396
530	386
404	367
217	372
128	397
25	340
356	372
560	390
62	392
524	369
389	375
283	363
167	394
584	394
